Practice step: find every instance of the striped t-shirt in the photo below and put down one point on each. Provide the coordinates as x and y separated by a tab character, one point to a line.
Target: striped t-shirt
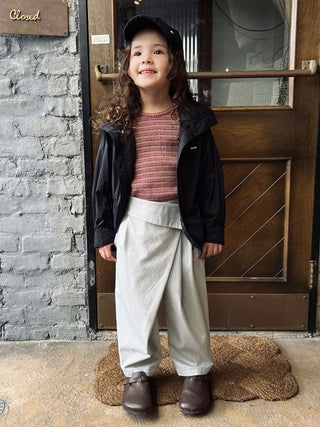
157	142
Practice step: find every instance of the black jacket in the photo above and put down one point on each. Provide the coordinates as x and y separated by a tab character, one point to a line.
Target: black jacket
199	179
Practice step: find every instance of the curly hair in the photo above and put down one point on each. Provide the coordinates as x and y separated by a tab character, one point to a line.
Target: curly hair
124	105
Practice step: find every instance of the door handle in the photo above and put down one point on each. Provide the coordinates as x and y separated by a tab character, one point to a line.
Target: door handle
309	69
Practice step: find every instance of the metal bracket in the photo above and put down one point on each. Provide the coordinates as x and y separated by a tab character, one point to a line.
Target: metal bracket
312	271
310	64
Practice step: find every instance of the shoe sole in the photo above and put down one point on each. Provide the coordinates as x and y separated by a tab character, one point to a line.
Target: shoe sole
191	413
144	413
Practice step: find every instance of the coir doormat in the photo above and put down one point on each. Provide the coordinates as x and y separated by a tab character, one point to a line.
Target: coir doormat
244	368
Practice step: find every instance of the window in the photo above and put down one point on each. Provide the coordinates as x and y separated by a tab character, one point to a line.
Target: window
228	35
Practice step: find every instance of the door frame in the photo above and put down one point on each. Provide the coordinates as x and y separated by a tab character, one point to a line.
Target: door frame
88	162
315	254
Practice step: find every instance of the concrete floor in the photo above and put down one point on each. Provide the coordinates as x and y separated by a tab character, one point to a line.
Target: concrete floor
49	383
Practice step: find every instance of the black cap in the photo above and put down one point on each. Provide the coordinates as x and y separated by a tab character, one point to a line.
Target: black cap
141	22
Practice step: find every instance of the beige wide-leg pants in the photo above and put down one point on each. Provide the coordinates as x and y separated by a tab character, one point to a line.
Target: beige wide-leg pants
155	260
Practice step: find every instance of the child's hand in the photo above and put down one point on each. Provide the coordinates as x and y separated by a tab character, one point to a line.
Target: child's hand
210	249
105	252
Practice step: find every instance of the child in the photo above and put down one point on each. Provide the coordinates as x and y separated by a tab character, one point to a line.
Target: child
158	196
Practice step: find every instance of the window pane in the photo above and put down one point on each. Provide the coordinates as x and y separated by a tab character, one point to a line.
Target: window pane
233	35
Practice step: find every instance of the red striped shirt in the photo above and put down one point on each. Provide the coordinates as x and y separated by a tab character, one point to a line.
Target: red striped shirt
157	142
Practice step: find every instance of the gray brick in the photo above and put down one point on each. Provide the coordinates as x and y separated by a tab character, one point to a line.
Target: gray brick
12	315
30	167
68	45
79	243
48	279
9	280
64	262
76	128
61	224
46	243
24	333
8	243
77	205
65	186
43	167
24	263
51	315
67	297
8	206
16	67
65	107
21	147
7	167
7	129
63	64
51	205
48	316
26	224
48	126
70	331
14	45
67	146
72	23
81	314
81	280
43	86
3	47
26	298
59	166
37	186
15	187
74	86
21	107
77	165
5	88
39	45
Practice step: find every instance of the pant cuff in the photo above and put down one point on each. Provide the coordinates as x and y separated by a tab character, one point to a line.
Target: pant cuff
188	372
148	372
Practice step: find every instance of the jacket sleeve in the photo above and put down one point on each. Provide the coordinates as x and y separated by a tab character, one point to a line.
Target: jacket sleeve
102	200
212	192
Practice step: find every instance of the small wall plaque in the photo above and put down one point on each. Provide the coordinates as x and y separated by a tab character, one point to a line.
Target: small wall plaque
39	17
100	39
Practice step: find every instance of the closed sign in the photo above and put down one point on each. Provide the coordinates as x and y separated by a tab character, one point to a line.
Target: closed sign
39	17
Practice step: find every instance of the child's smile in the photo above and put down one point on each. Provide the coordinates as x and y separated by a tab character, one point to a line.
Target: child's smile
149	61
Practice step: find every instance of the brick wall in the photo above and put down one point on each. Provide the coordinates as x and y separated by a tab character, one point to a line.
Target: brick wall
42	210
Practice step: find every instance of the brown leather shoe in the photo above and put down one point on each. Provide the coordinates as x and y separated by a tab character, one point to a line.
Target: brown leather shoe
195	397
137	397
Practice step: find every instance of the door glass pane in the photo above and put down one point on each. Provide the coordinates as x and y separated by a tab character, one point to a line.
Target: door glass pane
227	35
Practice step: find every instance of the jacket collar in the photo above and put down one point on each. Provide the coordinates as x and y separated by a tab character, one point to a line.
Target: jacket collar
195	119
108	127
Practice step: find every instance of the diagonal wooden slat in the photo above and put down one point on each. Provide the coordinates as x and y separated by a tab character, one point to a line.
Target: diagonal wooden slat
255	201
234	172
278	273
262	257
256	184
243	180
246	241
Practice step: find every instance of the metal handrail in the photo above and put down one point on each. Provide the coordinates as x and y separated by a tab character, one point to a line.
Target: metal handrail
309	69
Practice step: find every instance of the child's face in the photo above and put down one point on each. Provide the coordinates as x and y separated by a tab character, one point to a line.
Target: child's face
149	62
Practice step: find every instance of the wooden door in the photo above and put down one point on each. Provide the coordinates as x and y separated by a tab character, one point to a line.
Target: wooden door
260	280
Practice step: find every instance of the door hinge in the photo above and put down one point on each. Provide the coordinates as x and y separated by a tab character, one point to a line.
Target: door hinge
312	273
